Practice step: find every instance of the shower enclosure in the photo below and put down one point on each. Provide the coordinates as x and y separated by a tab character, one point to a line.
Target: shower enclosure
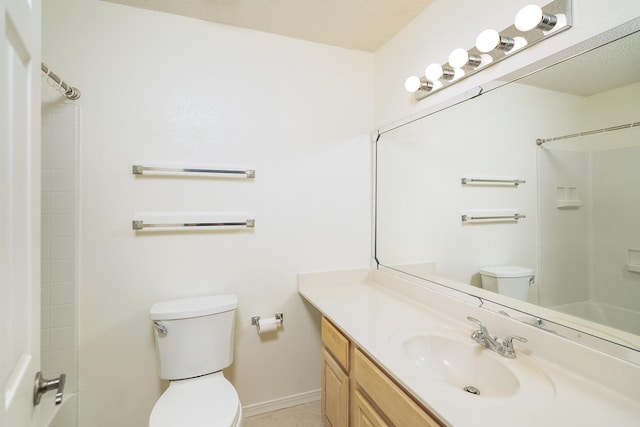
590	228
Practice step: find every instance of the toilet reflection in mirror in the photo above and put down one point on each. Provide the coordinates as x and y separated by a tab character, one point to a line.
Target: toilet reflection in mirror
511	281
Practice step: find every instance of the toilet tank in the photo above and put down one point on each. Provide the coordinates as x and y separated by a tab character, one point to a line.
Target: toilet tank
194	336
511	281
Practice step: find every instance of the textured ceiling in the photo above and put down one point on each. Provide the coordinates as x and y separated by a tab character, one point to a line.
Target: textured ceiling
608	67
353	24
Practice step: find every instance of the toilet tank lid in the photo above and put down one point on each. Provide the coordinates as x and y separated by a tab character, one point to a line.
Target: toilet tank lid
193	307
507	271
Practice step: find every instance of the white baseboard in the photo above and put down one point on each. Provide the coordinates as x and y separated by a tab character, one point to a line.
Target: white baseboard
282	403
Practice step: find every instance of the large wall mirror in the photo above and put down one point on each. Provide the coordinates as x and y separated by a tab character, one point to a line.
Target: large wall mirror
541	173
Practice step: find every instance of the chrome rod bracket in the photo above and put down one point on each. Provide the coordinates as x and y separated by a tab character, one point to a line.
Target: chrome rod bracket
255	320
65	89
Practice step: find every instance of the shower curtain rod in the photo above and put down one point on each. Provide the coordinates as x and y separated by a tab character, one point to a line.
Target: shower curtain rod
64	88
541	141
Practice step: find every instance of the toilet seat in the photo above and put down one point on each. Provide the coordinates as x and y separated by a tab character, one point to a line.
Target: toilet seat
207	401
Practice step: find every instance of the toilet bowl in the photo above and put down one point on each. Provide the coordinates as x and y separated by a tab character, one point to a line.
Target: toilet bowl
194	338
511	281
209	400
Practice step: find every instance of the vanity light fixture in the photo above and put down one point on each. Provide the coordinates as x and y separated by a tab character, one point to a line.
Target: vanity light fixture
532	25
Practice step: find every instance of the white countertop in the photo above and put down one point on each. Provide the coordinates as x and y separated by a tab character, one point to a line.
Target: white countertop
377	311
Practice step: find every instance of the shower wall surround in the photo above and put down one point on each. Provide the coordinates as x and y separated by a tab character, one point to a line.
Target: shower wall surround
60	220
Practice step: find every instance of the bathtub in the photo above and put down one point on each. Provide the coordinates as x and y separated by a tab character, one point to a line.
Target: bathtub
605	314
63	415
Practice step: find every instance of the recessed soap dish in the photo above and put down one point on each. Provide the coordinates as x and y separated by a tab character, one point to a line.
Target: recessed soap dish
568	198
633	260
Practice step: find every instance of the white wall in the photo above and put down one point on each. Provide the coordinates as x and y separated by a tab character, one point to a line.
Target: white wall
166	88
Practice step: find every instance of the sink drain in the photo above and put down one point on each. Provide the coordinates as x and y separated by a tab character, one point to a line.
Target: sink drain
471	389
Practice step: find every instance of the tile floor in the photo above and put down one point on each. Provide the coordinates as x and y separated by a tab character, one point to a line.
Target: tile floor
307	415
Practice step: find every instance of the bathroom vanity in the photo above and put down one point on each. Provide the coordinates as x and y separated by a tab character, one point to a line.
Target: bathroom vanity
396	352
354	388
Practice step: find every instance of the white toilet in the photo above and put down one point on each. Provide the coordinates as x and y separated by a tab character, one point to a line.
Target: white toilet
194	337
511	281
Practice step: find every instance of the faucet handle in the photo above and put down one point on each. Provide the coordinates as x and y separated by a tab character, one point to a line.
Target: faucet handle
480	334
507	341
480	325
507	345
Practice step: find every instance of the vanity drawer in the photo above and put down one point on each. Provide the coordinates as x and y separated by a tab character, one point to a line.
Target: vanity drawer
336	343
398	407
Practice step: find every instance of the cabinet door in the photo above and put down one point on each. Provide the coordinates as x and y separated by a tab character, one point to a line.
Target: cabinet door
336	343
393	402
363	414
335	393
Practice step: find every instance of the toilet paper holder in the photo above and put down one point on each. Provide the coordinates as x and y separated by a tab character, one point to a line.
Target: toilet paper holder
279	318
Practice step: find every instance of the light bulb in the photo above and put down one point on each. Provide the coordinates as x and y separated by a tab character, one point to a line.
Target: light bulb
433	72
412	84
489	40
460	58
531	16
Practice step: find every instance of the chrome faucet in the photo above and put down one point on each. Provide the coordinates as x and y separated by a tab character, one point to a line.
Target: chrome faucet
483	337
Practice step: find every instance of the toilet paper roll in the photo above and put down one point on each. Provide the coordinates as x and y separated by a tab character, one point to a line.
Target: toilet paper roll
267	325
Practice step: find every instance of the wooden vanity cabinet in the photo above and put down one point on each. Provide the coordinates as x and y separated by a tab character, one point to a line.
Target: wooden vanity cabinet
357	393
335	376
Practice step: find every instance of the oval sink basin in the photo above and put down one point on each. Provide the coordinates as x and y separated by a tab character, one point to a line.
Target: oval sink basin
453	359
461	365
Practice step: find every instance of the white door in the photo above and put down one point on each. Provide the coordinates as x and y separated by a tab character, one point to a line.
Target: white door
19	210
